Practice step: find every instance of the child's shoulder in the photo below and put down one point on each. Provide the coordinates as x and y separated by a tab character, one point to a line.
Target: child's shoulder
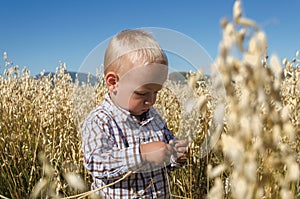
100	113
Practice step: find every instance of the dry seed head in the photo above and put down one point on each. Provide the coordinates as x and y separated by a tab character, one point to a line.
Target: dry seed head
240	39
219	114
199	75
189	105
257	125
217	191
245	99
246	22
75	181
246	127
216	171
223	54
261	95
223	22
39	187
258	44
201	102
251	59
260	193
276	134
10	71
289	130
233	148
237	10
5	56
276	66
293	172
284	61
285	114
285	193
239	186
250	169
229	36
282	147
16	68
192	80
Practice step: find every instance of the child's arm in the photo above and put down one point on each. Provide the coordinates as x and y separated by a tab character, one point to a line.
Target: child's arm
159	153
156	153
103	157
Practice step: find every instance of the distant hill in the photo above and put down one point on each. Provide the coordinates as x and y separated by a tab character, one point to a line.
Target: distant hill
178	77
82	77
182	77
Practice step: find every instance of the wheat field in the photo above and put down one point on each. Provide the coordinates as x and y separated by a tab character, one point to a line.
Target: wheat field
257	154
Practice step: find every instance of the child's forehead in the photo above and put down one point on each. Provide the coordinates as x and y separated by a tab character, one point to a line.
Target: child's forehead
150	87
145	75
154	70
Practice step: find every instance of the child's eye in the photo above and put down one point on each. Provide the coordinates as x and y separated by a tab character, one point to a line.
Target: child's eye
139	93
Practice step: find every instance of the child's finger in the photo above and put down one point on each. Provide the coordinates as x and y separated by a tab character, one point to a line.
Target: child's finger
180	149
173	141
170	149
181	143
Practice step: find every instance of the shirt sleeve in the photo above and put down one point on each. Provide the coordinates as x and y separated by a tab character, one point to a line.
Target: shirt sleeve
103	158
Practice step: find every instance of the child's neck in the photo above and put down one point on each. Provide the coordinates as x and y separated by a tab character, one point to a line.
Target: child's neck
140	118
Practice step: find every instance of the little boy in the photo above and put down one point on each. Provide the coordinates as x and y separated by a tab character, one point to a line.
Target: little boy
125	134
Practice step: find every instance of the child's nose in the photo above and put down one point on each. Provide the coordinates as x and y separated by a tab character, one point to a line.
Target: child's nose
150	100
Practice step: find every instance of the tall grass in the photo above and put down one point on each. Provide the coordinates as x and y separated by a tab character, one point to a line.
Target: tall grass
257	156
261	147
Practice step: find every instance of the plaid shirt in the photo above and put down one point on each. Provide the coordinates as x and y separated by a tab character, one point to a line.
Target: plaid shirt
111	139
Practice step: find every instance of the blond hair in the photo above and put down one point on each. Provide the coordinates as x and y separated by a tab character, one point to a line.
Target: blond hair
132	47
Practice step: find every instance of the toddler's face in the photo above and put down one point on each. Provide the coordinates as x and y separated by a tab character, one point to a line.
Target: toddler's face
137	89
143	98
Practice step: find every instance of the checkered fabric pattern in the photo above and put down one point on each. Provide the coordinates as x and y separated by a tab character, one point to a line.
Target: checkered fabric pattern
111	139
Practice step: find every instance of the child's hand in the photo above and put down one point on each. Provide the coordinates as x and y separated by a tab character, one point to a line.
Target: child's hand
156	153
180	148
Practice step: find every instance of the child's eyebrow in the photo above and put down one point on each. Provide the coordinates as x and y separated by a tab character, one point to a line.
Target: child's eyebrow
157	87
147	90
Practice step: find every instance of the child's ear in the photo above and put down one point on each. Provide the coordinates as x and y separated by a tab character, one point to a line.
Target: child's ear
111	80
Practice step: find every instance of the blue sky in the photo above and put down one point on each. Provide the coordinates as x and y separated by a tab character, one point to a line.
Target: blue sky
39	33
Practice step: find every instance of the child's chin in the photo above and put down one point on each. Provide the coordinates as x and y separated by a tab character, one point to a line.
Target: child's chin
145	111
140	113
